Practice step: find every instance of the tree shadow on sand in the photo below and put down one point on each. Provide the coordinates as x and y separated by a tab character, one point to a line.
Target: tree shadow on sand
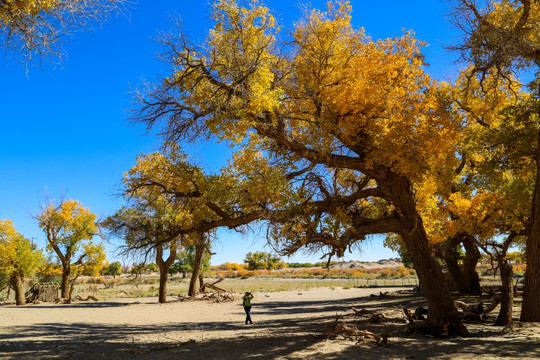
277	338
185	340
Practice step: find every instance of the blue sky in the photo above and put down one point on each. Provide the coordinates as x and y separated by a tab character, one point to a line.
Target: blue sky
64	129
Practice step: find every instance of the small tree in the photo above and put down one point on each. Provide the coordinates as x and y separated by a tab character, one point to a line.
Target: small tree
261	260
68	226
18	258
113	269
144	223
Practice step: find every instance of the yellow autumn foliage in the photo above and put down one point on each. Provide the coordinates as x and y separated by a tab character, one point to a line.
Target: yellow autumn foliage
17	254
10	9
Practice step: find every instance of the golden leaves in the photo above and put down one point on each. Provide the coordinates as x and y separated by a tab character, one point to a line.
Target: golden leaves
9	9
17	255
67	224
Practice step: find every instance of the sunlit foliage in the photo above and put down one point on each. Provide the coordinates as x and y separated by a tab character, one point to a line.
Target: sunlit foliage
31	28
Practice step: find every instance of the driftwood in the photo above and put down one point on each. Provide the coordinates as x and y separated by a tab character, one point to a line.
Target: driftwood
361	311
213	286
89	297
418	314
470	312
408	315
376	318
495	300
416	324
218	297
352	333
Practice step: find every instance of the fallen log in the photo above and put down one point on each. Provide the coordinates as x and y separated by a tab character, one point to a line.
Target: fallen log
353	333
470	312
211	286
495	300
361	311
376	318
408	315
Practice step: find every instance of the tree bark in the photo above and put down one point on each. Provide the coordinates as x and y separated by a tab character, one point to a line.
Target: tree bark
530	311
71	287
164	266
201	281
64	286
17	282
448	254
472	256
507	296
443	318
199	251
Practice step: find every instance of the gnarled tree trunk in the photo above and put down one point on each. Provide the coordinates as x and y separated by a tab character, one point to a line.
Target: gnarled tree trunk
64	286
472	256
199	251
507	296
448	254
530	309
164	266
465	276
443	317
17	283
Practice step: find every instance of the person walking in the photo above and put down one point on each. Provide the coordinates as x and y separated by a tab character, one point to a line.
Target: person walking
247	306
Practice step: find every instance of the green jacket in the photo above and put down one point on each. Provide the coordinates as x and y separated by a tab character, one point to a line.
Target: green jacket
247	300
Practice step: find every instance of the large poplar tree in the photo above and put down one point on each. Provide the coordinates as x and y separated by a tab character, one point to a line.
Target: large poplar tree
501	41
70	228
352	125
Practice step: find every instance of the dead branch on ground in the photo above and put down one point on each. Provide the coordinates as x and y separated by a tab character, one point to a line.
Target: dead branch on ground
352	333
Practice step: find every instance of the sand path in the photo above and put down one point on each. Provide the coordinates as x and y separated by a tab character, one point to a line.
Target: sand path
286	326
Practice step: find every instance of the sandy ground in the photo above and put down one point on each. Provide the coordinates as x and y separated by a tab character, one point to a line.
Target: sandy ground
287	325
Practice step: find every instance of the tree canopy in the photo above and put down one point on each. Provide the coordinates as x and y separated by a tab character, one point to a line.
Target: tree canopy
69	228
19	259
335	131
32	28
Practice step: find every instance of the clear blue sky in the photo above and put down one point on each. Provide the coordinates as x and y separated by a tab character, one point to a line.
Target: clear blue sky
64	128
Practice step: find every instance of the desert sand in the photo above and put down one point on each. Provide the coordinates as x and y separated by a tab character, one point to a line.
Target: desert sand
287	325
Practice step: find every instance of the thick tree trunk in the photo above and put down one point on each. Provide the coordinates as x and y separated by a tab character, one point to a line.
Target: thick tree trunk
443	317
199	251
448	254
162	298
164	266
472	256
507	296
530	309
64	286
17	283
